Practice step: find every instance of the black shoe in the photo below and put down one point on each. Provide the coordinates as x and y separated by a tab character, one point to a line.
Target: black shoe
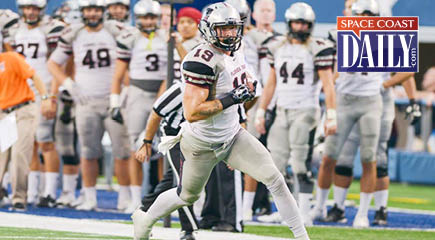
185	235
19	207
381	217
206	224
223	227
47	202
335	214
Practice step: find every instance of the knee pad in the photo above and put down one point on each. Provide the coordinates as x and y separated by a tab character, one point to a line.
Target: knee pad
188	198
367	154
344	171
381	172
306	183
70	160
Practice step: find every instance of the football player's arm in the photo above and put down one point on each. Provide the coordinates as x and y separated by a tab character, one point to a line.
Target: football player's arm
120	70
144	153
326	76
195	104
162	89
56	71
181	50
265	99
410	88
397	78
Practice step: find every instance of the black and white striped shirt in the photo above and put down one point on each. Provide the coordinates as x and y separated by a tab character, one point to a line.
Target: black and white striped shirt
169	107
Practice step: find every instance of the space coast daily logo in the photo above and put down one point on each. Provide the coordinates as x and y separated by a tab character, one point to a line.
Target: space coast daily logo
377	44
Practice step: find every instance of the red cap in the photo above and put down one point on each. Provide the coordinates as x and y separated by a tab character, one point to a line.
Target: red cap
191	12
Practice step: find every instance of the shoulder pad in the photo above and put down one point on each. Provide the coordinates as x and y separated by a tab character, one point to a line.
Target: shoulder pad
258	36
202	63
114	27
53	27
332	35
274	43
128	37
8	18
320	46
70	32
192	43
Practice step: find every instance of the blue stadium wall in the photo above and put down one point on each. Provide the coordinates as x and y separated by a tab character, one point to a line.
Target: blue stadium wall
326	11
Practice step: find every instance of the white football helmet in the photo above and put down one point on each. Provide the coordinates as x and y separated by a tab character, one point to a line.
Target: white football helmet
303	12
125	3
220	15
146	8
37	3
243	8
369	7
88	4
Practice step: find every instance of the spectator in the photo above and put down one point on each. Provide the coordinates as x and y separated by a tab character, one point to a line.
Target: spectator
17	98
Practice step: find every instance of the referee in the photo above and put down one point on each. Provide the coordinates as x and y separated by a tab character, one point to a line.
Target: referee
168	107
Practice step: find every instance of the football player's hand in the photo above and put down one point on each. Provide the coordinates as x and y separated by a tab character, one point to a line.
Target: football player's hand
242	94
115	108
144	153
51	111
260	123
46	107
330	127
74	91
331	122
413	112
115	114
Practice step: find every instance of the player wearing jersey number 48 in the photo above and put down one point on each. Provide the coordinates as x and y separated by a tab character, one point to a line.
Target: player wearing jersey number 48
212	132
296	61
92	44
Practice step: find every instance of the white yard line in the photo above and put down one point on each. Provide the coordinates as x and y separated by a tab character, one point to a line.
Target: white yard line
110	228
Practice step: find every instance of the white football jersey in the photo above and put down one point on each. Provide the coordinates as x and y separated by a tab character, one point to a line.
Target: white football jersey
360	84
207	67
36	44
94	56
148	57
296	65
8	19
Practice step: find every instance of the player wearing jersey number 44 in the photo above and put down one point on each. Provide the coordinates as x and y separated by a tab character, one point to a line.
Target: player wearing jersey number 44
212	132
303	66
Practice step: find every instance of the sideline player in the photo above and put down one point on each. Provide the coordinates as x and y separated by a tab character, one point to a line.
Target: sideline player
93	45
296	61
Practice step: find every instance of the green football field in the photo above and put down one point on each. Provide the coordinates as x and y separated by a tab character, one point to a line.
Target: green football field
416	197
321	233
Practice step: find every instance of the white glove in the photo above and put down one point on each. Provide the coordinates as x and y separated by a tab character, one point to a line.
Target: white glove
74	91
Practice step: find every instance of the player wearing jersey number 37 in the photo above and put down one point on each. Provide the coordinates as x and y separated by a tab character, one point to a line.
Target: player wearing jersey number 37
212	132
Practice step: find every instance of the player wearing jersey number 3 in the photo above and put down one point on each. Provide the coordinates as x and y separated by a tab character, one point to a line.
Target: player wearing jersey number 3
212	132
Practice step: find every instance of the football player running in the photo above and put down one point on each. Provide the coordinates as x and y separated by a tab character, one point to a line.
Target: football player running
35	37
296	59
93	45
212	132
142	51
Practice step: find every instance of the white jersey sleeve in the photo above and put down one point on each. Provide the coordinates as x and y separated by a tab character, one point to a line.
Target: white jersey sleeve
323	52
114	27
8	20
53	30
199	67
272	46
125	43
64	47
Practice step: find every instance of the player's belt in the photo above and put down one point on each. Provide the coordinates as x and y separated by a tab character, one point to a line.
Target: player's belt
15	107
147	85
